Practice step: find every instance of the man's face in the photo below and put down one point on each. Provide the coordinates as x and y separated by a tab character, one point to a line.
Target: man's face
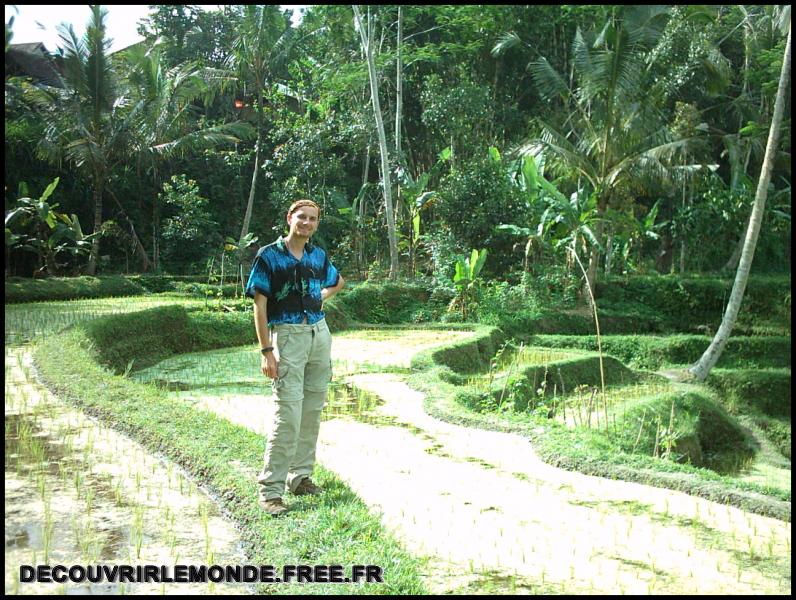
303	222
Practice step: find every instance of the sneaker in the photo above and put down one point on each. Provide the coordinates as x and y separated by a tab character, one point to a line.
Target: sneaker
274	506
307	488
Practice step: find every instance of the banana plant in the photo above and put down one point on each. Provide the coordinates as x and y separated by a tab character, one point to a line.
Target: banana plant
238	249
418	197
53	232
466	279
647	228
529	179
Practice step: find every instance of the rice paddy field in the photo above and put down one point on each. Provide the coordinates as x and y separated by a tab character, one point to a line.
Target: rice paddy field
575	409
591	407
77	493
229	382
509	361
23	322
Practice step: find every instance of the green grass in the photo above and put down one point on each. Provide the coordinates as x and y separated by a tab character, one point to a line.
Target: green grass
607	451
24	322
335	528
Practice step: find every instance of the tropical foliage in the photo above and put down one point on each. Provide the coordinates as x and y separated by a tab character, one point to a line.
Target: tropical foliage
630	133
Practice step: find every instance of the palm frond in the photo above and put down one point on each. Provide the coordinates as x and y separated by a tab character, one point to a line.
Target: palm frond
556	146
74	52
506	41
229	133
590	80
549	82
97	65
645	23
718	71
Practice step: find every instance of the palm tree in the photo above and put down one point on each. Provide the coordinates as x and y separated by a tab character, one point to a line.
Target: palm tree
259	55
706	362
167	123
613	137
88	121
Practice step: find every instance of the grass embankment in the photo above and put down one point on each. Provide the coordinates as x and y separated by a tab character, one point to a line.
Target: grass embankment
697	429
21	290
695	304
653	352
752	381
627	423
24	322
83	365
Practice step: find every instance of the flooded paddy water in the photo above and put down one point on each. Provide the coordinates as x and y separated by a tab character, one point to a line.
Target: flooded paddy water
78	493
480	504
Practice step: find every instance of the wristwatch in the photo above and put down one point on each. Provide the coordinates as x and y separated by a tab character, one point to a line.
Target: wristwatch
266	350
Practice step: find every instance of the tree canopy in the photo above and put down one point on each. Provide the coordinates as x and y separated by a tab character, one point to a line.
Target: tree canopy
646	125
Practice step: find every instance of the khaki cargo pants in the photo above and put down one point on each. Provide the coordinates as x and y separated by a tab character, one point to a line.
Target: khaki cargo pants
304	372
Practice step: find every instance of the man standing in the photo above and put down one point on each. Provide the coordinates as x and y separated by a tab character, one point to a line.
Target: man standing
289	281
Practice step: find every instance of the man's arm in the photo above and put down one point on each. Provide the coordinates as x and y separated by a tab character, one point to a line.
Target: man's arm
268	362
327	293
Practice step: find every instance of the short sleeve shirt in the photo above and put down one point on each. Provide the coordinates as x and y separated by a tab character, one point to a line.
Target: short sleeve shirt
293	287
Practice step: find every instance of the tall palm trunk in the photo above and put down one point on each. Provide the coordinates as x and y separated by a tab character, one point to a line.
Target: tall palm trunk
360	233
399	87
732	262
703	366
594	258
91	269
139	247
250	204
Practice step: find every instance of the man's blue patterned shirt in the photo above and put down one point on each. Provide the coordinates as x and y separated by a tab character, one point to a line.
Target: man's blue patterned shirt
293	287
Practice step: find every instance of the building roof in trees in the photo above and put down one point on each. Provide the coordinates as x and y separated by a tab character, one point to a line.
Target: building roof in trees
32	60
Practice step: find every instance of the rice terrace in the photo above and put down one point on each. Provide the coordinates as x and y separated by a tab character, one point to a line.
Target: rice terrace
469	504
549	247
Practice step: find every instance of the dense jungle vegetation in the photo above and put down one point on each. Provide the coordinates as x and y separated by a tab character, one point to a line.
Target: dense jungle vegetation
632	135
494	178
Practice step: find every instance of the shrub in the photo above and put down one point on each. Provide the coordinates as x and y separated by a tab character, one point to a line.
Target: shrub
765	391
18	289
506	306
694	303
144	338
228	290
705	434
384	302
189	233
651	352
473	200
